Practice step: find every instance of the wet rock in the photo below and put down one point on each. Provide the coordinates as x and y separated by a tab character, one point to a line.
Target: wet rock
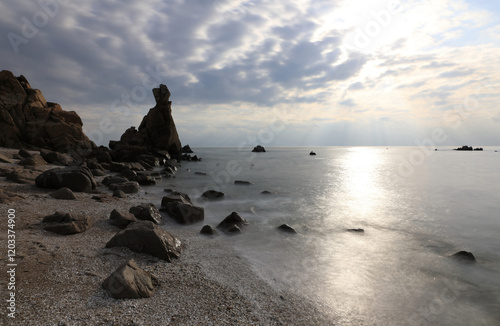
146	180
465	256
187	149
129	281
67	223
235	229
75	178
130	175
130	187
98	173
121	219
200	173
213	194
233	219
185	213
267	192
146	212
176	196
208	230
258	149
149	238
109	180
286	228
63	193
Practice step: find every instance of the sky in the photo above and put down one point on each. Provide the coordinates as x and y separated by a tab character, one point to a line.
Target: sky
276	73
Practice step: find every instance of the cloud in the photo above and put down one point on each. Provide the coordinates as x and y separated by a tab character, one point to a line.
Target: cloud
456	73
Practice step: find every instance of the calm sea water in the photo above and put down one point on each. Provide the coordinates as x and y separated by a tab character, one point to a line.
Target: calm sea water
417	207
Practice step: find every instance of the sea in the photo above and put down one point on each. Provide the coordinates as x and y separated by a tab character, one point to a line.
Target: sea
416	205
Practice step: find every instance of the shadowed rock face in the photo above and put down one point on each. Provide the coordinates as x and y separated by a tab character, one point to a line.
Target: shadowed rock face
157	131
28	120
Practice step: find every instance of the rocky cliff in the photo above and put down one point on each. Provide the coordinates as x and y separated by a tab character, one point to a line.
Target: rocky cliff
157	131
27	120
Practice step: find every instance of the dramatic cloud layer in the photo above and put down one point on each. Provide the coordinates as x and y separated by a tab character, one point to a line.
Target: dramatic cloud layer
311	72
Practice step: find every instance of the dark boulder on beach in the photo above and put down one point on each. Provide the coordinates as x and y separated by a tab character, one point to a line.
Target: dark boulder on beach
185	213
67	223
130	187
213	194
56	158
149	238
286	228
121	219
259	149
465	256
232	220
130	281
63	193
32	161
208	230
146	212
27	120
75	178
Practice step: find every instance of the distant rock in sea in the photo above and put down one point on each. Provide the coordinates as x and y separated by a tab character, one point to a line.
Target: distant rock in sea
186	149
259	149
27	120
312	153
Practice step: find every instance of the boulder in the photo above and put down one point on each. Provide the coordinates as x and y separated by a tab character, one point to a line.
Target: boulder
75	178
131	187
146	212
98	173
33	161
185	213
286	228
259	149
129	281
267	192
109	180
208	230
213	194
56	158
27	120
146	180
119	194
121	219
63	193
356	230
232	220
67	223
176	196
235	229
149	238
465	256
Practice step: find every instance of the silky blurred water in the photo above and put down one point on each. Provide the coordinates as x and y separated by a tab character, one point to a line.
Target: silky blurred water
417	206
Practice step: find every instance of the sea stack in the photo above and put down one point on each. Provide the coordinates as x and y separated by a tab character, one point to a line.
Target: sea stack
156	133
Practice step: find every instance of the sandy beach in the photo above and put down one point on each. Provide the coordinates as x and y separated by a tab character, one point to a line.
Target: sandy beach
58	278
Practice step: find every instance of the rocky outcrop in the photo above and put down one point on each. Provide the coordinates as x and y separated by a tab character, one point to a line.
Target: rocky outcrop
232	223
156	132
121	219
185	213
149	238
186	149
130	281
213	194
77	179
146	212
27	120
465	256
208	230
286	228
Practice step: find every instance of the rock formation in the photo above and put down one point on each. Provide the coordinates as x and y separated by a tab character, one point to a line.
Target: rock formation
130	281
27	120
156	133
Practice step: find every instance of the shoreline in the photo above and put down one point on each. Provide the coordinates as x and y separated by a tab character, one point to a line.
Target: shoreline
59	278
